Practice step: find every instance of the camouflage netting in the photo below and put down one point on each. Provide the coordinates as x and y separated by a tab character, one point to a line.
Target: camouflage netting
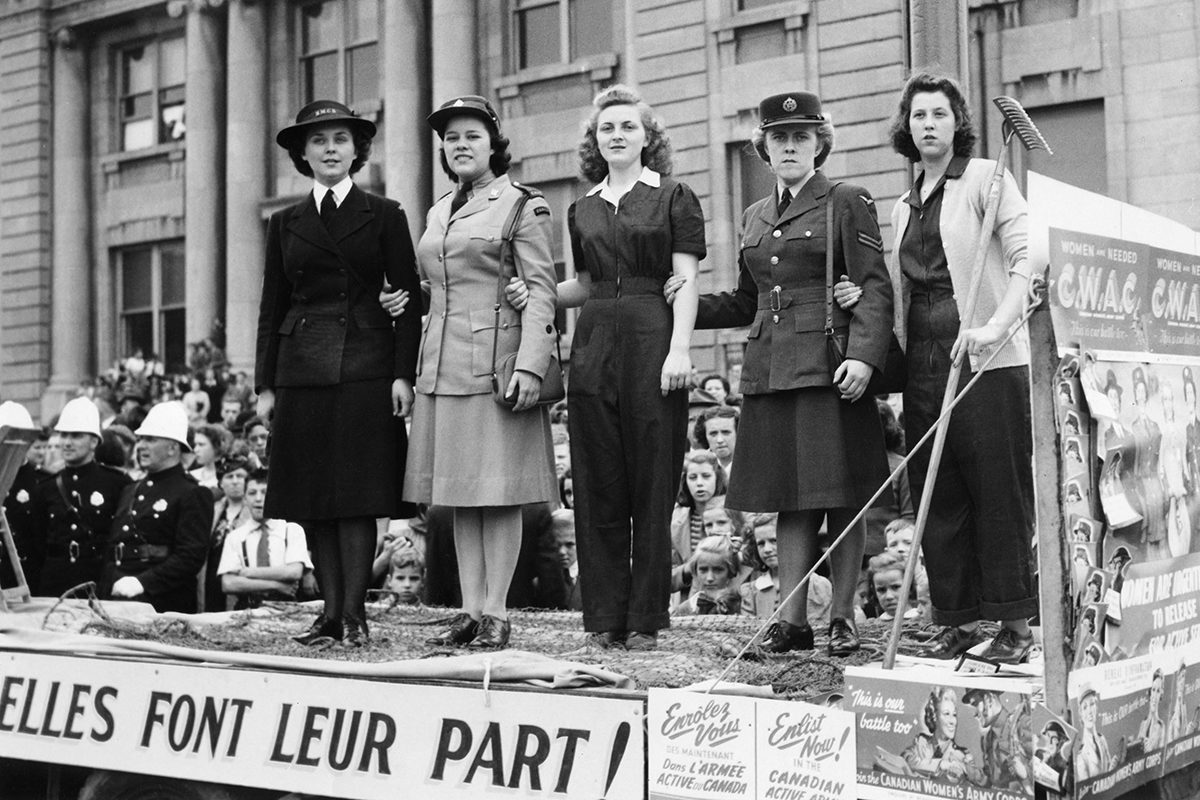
693	650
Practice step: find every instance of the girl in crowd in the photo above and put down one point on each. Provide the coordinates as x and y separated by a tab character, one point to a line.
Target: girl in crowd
702	482
630	365
885	574
331	366
760	590
211	444
716	566
826	447
469	452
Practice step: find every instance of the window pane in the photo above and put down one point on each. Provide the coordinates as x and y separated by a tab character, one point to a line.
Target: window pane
756	42
1085	162
174	346
321	27
136	71
363	19
746	5
172	64
756	178
139	333
321	78
173	127
137	107
363	79
135	280
136	135
591	27
173	276
538	37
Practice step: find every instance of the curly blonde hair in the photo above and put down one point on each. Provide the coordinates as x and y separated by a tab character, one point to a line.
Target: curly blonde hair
656	153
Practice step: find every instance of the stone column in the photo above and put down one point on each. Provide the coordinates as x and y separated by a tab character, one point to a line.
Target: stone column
454	47
204	173
71	275
247	139
407	148
938	37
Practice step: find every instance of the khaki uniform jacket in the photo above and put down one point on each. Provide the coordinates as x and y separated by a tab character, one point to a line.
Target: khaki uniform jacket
320	322
785	346
460	259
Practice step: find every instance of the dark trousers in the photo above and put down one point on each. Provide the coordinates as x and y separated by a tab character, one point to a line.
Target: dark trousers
627	447
978	539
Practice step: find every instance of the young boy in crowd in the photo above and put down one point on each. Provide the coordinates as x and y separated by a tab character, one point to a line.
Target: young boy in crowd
406	576
563	520
263	559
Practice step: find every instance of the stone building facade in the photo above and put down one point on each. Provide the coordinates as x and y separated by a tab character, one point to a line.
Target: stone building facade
139	165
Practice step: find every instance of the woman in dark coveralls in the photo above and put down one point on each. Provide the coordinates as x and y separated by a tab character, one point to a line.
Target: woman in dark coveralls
809	445
630	365
332	365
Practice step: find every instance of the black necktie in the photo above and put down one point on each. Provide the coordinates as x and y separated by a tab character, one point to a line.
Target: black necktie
460	197
785	200
328	207
263	553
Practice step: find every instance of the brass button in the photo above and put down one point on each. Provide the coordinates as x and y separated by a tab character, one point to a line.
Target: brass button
777	233
808	233
774	259
775	318
341	320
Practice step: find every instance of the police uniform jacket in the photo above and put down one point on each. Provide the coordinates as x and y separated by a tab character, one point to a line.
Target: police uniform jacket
320	321
459	256
19	511
160	534
781	287
83	517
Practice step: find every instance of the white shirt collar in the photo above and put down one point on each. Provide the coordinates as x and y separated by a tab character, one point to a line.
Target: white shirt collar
648	177
340	190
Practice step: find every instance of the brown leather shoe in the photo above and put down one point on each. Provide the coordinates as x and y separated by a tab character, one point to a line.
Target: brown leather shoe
606	640
323	631
642	640
1009	647
843	639
460	629
356	632
492	634
782	637
951	642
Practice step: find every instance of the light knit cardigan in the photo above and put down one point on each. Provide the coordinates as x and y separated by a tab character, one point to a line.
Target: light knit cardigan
961	221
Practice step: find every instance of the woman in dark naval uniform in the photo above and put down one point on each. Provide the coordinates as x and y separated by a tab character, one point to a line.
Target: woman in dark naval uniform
330	363
810	446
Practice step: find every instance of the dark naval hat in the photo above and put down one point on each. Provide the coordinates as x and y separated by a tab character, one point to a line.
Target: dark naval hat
469	105
320	112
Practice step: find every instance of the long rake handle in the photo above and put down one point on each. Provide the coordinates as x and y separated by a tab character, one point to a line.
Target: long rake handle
943	426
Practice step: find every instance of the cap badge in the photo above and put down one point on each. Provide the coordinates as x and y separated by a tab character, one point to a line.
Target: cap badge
789	105
458	103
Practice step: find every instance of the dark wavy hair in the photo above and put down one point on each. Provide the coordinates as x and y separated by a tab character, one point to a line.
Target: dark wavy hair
964	128
500	159
362	151
656	153
684	497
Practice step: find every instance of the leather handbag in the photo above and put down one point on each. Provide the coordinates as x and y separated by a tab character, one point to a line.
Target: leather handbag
894	375
553	386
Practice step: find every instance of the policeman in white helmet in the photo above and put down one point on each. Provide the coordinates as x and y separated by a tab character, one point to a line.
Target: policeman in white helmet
18	501
159	537
73	511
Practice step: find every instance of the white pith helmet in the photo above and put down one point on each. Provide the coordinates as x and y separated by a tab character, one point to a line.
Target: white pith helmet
79	416
14	415
167	420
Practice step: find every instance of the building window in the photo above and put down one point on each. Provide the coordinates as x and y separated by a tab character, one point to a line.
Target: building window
760	42
1076	132
560	31
151	287
153	77
750	179
1037	12
339	51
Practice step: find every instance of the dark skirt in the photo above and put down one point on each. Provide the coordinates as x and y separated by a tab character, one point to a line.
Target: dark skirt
336	452
806	449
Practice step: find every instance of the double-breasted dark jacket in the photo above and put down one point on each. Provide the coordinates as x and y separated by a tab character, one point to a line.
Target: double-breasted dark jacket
320	321
160	536
781	287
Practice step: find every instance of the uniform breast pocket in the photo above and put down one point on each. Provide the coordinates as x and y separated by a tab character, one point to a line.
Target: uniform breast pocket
485	339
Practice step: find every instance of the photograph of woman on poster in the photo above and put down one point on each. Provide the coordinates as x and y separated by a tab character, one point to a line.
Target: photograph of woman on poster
935	753
1148	497
1177	724
1150	732
1192	447
1092	756
1173	467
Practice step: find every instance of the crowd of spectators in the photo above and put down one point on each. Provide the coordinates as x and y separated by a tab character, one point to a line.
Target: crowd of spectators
725	560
